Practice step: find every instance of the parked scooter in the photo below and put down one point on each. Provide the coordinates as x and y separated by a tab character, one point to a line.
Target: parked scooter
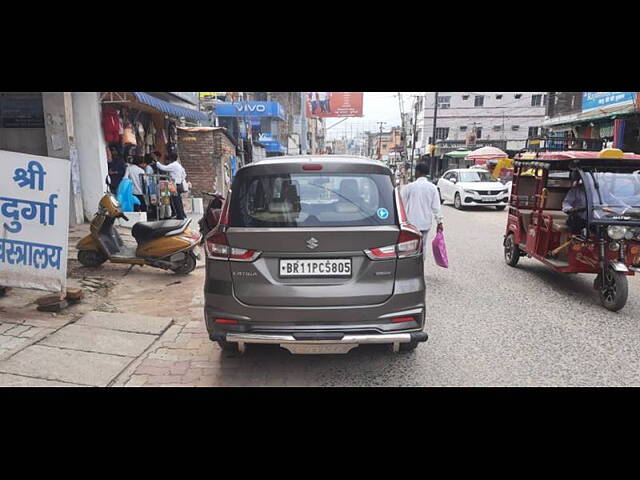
167	244
211	215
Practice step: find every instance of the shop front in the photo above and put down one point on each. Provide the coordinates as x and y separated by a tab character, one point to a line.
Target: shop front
140	128
259	120
609	119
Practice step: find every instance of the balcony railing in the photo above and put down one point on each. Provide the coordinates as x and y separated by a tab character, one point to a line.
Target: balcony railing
564	144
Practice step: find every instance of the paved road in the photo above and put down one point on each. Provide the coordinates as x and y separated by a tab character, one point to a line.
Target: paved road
489	325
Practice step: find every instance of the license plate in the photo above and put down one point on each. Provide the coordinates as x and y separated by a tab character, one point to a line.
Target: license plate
489	199
320	349
315	268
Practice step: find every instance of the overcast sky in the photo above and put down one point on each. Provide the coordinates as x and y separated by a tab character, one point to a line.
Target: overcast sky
377	107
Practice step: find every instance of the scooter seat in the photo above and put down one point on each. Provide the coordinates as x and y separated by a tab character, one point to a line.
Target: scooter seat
146	231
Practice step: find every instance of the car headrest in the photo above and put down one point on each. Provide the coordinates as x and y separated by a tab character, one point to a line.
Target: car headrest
349	189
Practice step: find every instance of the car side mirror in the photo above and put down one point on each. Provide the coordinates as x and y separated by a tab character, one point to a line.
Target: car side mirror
453	180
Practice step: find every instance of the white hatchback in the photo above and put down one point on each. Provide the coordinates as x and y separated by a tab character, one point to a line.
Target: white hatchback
472	187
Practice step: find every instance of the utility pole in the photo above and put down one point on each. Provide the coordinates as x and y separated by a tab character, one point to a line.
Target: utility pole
380	139
415	128
403	156
435	118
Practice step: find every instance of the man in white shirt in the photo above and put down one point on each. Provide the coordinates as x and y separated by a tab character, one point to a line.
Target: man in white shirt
178	176
134	173
422	202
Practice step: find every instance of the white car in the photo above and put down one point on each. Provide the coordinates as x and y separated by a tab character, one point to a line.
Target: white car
472	188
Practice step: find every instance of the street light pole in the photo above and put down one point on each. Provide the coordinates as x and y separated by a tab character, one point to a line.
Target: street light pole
433	136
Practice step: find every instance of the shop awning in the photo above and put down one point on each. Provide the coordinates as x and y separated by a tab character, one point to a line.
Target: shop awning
169	108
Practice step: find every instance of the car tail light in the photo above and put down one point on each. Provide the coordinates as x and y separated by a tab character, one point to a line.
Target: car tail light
409	241
225	320
408	245
402	319
312	166
217	245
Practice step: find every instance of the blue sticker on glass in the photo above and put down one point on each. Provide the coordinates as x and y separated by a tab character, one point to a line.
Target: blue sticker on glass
383	213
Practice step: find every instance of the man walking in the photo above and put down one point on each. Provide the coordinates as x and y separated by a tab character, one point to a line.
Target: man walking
178	175
422	202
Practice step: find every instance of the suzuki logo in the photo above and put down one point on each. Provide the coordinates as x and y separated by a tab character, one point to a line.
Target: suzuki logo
312	243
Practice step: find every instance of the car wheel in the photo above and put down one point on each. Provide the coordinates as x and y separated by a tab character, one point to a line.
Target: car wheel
91	258
511	251
457	202
501	207
614	290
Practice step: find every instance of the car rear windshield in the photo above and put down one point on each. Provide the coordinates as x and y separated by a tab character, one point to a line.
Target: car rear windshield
312	199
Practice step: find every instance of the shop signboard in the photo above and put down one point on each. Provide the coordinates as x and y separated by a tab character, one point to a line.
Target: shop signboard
21	110
34	221
251	109
334	104
595	100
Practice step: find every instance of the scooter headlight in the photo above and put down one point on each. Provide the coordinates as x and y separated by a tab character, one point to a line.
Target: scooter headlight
617	232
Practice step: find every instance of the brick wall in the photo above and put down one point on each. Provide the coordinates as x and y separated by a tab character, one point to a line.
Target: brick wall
203	154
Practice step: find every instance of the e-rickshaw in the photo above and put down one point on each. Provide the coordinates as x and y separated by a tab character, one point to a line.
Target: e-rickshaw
597	231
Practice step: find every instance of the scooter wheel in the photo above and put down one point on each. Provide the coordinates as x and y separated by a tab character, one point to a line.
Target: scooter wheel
187	266
91	258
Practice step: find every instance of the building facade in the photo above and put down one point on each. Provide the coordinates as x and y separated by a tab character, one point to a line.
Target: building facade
507	117
594	119
69	125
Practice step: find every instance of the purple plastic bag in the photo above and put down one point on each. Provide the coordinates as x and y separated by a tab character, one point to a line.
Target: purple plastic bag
440	250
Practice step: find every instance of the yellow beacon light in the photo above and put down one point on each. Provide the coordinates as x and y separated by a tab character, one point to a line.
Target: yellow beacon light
611	153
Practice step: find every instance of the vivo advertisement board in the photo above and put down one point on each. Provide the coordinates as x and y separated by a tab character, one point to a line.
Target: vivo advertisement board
595	100
250	109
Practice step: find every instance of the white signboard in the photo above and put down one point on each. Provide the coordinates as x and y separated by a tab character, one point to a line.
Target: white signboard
34	221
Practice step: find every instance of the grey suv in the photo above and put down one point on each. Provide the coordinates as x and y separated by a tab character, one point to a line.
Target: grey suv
314	253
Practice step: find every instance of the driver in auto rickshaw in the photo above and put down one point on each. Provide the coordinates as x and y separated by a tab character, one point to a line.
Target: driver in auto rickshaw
575	202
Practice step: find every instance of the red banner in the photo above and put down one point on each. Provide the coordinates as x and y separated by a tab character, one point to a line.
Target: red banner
334	104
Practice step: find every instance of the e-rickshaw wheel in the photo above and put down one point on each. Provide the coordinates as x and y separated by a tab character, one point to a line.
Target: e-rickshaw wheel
511	251
613	289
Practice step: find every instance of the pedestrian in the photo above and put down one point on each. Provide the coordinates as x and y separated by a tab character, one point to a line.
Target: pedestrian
135	173
178	176
422	202
117	169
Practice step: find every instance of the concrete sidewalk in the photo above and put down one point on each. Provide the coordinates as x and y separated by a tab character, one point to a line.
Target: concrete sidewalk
92	351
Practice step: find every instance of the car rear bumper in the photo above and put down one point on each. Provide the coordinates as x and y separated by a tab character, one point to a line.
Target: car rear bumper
326	339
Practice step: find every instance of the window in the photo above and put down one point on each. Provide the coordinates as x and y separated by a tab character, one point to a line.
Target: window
442	133
518	95
312	199
499	97
463	128
384	145
497	128
533	131
536	100
444	102
479	132
476	176
465	97
515	128
479	102
544	100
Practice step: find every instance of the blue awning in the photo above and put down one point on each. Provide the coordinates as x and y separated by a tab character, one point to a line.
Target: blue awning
169	108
